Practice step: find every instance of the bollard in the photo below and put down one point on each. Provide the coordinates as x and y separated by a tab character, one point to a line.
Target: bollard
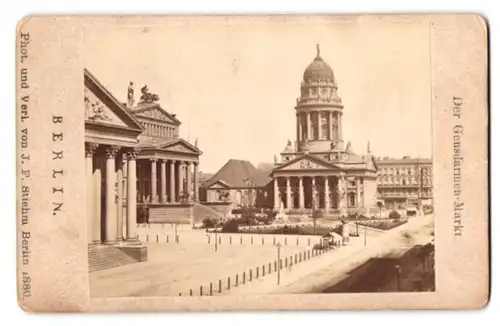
201	290
251	240
211	292
147	237
297	241
300	257
230	240
262	240
275	265
257	272
180	295
228	282
269	268
241	239
220	286
309	241
308	254
220	239
295	258
250	276
236	283
191	292
274	241
163	225
177	239
286	262
291	261
157	238
263	270
167	238
285	241
244	278
281	263
208	240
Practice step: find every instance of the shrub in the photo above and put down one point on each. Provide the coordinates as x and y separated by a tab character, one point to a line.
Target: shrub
394	215
230	226
208	223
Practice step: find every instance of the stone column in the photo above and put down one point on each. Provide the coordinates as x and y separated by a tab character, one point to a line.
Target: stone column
299	126
119	198
313	192
358	193
153	181
330	126
189	186
308	125
196	185
301	192
327	194
276	194
111	218
132	195
90	149
318	118
339	126
96	194
172	182
288	194
163	177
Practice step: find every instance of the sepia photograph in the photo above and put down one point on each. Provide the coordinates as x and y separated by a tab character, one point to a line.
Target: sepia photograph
267	158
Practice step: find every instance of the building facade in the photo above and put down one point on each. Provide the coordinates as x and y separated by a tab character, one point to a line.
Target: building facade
136	165
405	182
320	171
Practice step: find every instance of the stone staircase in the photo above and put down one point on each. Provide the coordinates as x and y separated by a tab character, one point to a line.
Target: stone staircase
107	256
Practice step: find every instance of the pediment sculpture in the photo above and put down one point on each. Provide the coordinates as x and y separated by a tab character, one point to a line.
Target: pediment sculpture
94	109
147	96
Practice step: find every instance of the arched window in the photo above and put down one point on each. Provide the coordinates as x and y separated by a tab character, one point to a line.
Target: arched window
324	125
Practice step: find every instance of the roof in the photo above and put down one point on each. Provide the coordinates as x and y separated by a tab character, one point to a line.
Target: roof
87	74
404	160
235	172
318	70
141	106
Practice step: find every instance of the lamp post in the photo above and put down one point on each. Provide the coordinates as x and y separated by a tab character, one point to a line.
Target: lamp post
215	232
278	247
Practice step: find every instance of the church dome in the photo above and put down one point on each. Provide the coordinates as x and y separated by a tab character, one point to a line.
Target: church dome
318	70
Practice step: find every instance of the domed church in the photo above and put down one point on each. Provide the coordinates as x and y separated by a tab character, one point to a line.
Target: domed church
320	171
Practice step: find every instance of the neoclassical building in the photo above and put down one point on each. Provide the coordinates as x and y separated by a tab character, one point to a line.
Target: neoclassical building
320	171
137	166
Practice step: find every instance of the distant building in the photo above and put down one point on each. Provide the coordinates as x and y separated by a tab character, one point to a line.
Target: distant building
404	182
319	170
238	184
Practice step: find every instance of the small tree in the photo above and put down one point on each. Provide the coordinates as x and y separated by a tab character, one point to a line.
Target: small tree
380	206
394	215
317	214
208	223
231	226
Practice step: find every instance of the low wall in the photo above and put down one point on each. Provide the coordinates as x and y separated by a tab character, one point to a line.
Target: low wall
171	213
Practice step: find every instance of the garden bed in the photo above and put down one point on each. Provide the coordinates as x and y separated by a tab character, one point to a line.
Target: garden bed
383	224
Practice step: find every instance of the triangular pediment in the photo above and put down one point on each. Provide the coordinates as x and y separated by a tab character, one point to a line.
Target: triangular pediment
103	108
306	162
156	112
220	184
180	145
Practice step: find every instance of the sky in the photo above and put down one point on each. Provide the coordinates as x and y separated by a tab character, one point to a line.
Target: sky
234	86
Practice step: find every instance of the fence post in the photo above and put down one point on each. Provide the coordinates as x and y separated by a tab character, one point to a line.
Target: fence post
230	240
157	238
285	240
274	241
269	268
147	237
228	282
309	241
167	238
275	265
286	261
251	240
191	292
208	240
220	286
236	280
291	261
211	292
180	294
262	240
241	239
263	270
244	278
177	238
281	263
295	258
250	276
220	239
257	272
201	290
297	241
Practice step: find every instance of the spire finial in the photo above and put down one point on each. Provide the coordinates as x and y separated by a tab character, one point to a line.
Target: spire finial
317	50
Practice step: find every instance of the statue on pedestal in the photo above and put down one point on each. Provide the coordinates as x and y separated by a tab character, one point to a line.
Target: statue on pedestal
130	95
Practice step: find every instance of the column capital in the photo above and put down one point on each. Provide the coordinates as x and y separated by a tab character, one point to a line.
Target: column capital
196	163
132	154
153	159
188	163
90	149
111	151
